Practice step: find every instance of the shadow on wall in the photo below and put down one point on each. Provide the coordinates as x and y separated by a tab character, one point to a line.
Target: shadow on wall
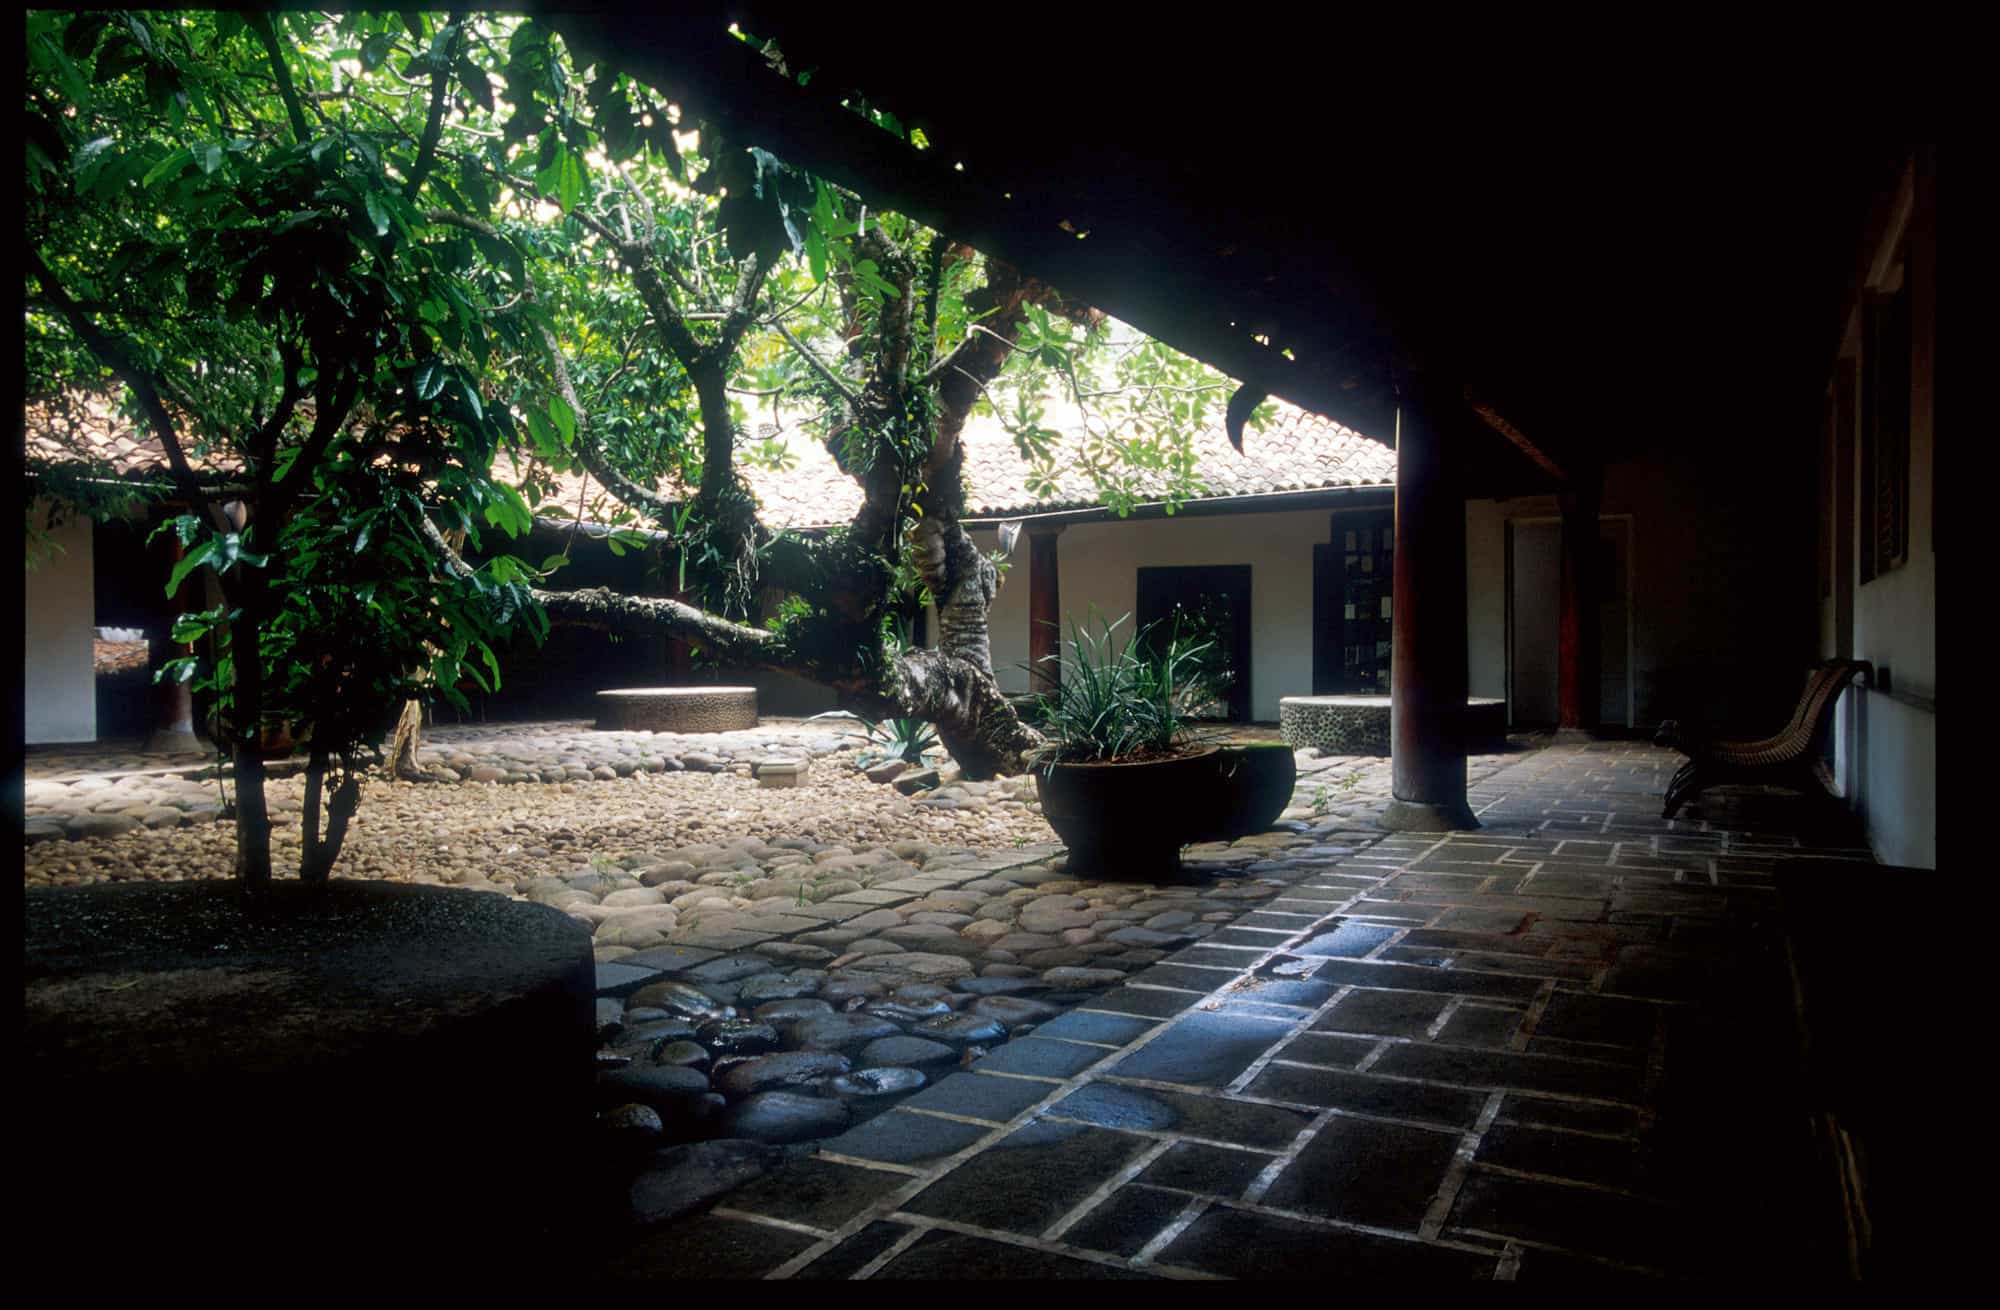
561	679
1728	700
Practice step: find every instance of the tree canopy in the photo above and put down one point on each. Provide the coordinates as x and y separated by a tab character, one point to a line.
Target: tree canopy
373	282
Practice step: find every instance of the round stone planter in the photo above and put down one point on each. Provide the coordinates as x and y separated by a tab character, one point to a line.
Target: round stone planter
372	1076
1359	725
677	709
1129	819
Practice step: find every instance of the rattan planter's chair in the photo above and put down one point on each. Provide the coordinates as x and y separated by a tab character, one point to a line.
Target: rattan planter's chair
1785	759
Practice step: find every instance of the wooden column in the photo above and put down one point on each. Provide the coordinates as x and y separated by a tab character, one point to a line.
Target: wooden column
1427	662
1044	610
1579	644
173	721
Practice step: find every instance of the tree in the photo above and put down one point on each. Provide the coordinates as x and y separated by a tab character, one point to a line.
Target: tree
339	266
234	235
890	335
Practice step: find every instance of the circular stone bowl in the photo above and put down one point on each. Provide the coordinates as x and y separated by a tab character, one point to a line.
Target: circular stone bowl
1128	819
677	709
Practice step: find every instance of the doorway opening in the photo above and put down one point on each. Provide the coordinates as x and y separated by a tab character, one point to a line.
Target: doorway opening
1212	600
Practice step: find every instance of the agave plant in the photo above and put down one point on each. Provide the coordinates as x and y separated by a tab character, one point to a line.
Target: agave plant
1133	701
905	739
900	739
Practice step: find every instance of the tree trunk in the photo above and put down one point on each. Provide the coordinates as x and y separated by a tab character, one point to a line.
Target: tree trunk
311	868
964	582
974	719
253	817
318	853
403	743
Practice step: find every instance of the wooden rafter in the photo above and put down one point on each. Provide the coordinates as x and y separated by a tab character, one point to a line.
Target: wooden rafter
1521	441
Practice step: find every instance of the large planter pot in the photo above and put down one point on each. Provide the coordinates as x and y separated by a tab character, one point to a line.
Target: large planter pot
1253	785
1128	819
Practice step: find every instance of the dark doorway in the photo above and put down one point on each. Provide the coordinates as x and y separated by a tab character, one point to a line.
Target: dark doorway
1353	582
1213	599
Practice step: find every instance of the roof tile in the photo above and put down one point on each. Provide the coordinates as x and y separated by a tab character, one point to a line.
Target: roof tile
1296	451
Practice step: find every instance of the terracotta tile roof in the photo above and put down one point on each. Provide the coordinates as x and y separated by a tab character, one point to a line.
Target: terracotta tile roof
91	428
118	657
1296	451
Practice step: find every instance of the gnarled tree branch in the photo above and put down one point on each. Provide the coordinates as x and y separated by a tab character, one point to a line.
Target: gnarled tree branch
973	718
601	607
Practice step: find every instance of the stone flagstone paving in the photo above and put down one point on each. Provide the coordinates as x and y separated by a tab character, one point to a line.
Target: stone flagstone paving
1555	1049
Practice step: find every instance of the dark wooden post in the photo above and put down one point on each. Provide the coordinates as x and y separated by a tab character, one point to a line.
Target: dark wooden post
1044	610
173	721
1579	648
1427	663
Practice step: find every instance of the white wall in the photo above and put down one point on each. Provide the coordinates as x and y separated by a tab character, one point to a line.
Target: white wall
1895	615
1486	598
1100	562
60	682
1007	619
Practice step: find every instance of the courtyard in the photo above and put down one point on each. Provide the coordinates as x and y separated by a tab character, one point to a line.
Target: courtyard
377	362
1325	1050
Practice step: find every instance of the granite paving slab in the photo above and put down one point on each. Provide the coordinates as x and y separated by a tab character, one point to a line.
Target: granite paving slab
1391	1081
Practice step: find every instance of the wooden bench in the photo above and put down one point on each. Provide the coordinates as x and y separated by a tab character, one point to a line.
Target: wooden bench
1785	759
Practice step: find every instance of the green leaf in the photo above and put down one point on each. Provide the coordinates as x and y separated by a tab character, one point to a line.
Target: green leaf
570	180
177	670
190	628
209	156
378	213
559	174
816	253
88	155
542	433
565	418
473	81
168	167
432	374
374	51
864	272
73	84
188	564
492	663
